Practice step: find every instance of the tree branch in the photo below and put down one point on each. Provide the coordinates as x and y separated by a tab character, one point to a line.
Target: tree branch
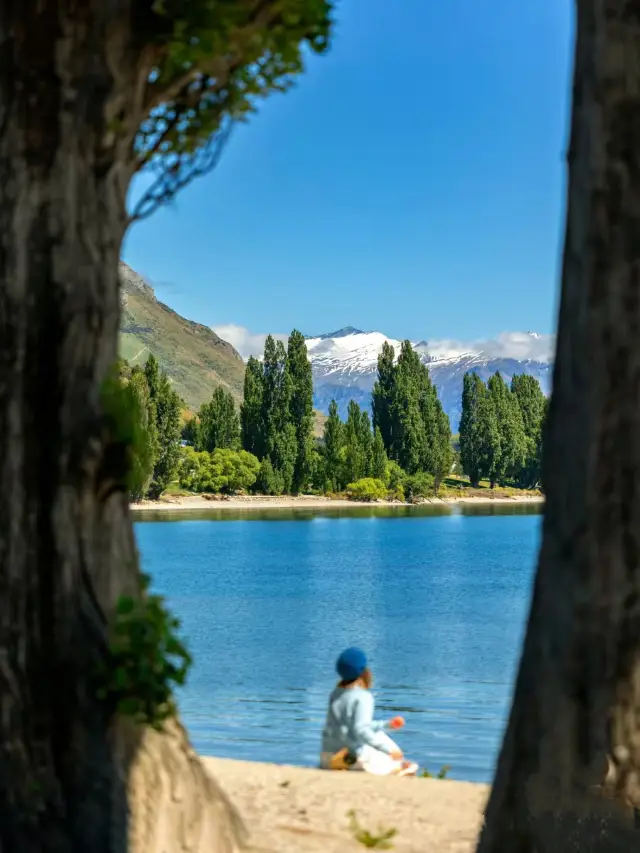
219	68
171	179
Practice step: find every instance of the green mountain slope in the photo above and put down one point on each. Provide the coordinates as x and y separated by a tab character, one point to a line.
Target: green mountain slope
193	356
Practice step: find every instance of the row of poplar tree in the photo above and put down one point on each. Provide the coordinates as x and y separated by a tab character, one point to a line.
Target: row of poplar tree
274	422
410	431
408	435
501	430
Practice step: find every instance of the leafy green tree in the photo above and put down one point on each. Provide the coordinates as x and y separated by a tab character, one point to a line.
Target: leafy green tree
441	448
365	438
533	406
317	473
408	413
479	436
382	399
128	418
190	431
379	461
410	432
145	461
280	434
300	408
218	423
269	481
168	407
333	442
509	455
358	441
252	425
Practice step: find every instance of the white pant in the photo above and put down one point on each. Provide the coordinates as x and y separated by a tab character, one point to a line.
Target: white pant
373	761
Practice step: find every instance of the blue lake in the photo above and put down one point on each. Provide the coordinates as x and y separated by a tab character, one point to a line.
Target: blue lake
437	599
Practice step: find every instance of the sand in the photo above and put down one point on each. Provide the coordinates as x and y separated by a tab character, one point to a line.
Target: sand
299	810
260	502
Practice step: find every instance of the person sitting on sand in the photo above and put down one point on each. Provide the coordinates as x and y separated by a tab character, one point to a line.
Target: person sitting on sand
351	738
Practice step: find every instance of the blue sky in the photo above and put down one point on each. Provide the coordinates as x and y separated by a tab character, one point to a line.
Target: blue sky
412	183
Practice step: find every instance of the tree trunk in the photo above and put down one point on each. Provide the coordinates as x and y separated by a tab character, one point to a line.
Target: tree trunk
570	762
66	543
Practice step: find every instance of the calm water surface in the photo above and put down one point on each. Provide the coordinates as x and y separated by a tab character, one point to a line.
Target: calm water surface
438	600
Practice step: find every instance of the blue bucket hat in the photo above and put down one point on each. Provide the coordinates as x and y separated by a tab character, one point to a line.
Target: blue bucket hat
351	664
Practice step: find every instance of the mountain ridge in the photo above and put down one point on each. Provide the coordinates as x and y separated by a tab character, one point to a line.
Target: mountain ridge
344	362
344	366
194	357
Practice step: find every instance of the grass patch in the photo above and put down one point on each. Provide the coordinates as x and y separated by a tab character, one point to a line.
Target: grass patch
441	774
380	841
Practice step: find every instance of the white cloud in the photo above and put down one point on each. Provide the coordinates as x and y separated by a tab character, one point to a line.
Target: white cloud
247	343
519	345
522	346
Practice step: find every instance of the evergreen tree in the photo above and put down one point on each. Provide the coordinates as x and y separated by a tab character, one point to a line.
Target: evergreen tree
365	436
410	445
533	406
441	449
509	453
218	423
379	459
358	440
190	431
409	415
168	407
479	435
128	390
333	442
252	411
269	481
382	399
301	408
279	432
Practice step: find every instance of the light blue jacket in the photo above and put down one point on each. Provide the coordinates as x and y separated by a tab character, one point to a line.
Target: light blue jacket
350	722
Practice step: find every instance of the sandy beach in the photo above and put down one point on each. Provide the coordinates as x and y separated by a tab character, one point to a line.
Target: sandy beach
300	810
261	502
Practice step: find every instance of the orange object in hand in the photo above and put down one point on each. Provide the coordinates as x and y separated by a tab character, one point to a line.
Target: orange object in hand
396	723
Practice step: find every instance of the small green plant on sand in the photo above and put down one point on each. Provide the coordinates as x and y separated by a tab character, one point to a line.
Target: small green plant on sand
147	659
441	774
382	841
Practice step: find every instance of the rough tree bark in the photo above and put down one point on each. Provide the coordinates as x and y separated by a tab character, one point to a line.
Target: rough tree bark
66	544
576	706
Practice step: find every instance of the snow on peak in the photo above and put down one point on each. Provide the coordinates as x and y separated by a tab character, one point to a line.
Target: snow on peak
347	351
341	333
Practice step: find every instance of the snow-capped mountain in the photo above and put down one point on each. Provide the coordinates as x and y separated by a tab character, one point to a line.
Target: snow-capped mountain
345	362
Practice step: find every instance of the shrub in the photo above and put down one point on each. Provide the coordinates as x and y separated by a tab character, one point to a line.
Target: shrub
395	476
147	660
269	481
419	485
367	489
397	494
221	471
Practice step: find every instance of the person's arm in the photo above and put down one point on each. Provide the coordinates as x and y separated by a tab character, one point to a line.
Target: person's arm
365	728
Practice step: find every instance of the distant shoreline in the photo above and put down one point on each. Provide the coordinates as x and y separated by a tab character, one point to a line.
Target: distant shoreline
262	502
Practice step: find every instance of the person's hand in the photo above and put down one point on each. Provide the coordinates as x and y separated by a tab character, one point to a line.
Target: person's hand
398	755
396	723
